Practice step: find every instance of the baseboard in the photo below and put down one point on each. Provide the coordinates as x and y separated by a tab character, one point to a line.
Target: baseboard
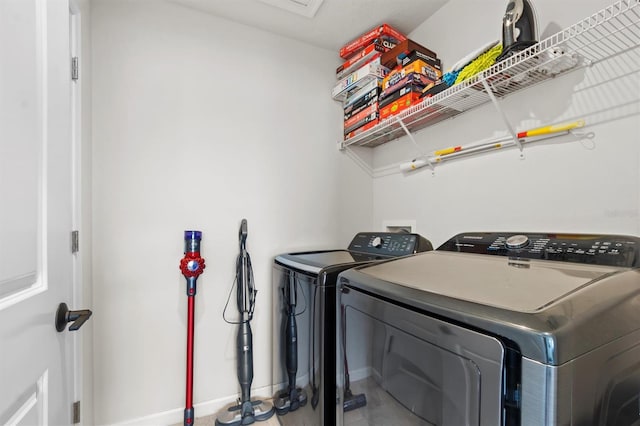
362	373
202	409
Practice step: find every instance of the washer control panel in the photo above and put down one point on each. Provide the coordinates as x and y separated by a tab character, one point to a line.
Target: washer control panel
610	250
389	244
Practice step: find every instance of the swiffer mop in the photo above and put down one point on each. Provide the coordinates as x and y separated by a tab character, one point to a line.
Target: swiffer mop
293	397
191	266
246	411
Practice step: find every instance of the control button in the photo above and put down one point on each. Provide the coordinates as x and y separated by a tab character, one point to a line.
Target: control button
517	241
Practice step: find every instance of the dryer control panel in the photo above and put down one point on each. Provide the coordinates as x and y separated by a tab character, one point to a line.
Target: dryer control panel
609	250
389	244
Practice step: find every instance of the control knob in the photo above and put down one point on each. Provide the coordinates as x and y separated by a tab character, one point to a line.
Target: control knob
377	242
517	241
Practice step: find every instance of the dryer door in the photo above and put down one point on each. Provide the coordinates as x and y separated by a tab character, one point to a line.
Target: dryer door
413	368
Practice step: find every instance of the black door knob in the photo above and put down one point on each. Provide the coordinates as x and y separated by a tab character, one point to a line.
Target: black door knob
64	316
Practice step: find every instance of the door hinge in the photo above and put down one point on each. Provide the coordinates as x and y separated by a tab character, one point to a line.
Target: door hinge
76	412
75	72
75	241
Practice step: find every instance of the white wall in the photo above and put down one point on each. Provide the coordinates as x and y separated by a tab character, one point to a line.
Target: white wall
566	185
197	123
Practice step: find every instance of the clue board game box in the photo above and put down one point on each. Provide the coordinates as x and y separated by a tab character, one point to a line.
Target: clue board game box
384	33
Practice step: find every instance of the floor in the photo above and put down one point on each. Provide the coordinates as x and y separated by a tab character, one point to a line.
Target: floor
381	410
211	421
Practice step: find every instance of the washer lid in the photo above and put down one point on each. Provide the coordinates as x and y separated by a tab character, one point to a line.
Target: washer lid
313	262
518	285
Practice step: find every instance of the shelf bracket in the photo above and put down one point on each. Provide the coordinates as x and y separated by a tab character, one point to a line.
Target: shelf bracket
494	100
411	138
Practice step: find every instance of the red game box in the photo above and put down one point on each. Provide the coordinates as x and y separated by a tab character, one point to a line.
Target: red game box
361	129
361	115
398	94
400	105
367	119
366	55
382	32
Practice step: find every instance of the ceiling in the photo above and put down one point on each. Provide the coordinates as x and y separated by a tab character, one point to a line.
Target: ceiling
336	22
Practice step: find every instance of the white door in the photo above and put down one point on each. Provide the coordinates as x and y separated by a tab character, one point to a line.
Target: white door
36	361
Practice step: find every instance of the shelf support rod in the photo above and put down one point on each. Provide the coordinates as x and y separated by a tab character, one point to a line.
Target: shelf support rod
514	135
411	138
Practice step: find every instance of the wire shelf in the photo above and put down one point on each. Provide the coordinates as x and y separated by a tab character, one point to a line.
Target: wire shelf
607	33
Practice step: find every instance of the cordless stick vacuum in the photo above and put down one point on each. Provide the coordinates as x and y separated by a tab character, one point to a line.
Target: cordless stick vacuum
246	411
293	397
191	266
351	401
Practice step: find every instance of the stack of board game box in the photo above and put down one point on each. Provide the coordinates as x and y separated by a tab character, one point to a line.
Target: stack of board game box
413	70
361	75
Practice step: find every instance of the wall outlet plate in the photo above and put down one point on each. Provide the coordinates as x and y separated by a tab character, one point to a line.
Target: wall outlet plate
406	226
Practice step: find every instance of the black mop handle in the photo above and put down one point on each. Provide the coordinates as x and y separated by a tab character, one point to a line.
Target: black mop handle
291	332
292	349
245	361
244	341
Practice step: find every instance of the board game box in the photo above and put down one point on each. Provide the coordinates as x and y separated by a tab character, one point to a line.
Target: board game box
394	56
399	105
415	79
362	129
385	33
418	66
361	106
415	55
361	115
366	55
357	95
368	119
371	71
400	93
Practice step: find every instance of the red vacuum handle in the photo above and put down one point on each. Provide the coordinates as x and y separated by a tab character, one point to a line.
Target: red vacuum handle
191	265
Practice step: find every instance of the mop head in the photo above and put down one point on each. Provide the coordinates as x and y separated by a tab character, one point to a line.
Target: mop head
245	413
479	64
288	400
353	402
